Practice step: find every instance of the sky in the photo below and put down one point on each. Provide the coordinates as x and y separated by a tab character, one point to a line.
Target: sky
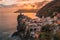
11	2
13	5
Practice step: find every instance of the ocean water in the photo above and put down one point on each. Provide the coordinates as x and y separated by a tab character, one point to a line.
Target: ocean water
8	23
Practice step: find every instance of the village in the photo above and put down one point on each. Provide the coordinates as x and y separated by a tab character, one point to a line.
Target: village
45	27
37	20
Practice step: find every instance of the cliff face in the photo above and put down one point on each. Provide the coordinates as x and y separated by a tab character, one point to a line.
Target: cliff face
48	9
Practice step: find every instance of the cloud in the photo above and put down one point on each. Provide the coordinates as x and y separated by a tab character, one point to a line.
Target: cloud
7	3
11	5
13	2
28	1
4	6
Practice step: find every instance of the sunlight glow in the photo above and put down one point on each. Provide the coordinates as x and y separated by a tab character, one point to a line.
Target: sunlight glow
31	15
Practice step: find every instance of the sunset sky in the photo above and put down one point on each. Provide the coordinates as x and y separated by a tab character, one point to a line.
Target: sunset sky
7	6
11	2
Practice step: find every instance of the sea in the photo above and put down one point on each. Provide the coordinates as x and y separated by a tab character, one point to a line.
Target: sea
8	23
